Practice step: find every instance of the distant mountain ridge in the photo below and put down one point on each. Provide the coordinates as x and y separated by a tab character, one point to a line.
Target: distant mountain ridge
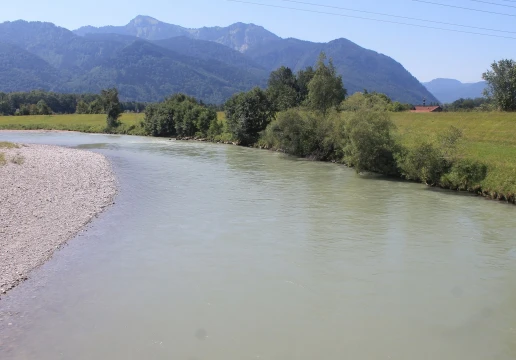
449	90
148	59
238	36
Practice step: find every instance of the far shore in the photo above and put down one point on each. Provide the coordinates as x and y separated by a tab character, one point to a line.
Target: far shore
48	194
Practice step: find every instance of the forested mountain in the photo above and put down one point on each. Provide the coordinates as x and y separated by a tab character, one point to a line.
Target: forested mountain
148	60
20	70
449	90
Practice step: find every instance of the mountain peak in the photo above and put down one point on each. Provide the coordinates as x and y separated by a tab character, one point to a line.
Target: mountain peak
144	20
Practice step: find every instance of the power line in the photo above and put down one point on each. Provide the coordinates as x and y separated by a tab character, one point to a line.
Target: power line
397	16
492	3
465	8
370	19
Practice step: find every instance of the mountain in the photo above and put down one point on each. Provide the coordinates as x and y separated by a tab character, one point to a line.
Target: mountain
238	36
23	71
449	90
145	71
141	70
148	60
360	68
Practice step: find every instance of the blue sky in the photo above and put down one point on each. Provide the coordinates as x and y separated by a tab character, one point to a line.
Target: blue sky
426	53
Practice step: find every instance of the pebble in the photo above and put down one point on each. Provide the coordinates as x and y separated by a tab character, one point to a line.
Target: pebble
65	187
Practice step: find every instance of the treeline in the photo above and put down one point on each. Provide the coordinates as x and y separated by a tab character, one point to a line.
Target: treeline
476	104
40	102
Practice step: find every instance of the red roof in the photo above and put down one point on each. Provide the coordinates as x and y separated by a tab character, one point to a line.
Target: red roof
426	108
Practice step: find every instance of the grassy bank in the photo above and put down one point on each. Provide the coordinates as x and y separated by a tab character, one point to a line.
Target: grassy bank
488	137
85	123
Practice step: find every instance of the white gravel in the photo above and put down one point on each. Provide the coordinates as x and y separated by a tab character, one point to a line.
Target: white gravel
45	201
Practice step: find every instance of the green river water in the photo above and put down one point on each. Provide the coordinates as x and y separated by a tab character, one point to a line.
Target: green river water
215	252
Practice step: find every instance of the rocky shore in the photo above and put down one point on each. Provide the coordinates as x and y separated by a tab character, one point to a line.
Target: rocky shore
47	195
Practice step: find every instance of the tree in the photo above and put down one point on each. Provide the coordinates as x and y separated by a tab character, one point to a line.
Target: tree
111	107
43	108
501	81
325	90
282	89
81	108
179	115
5	108
303	78
248	114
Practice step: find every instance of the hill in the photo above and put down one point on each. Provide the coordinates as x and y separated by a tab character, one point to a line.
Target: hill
148	59
449	90
21	70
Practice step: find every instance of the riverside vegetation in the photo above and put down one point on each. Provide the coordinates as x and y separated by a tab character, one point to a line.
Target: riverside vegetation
308	115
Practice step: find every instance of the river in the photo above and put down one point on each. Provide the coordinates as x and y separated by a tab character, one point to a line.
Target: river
215	252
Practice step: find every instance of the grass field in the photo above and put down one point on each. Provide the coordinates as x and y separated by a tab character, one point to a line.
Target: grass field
75	122
488	137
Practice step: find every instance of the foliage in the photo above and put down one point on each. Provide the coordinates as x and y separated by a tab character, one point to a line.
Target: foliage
501	81
465	174
248	114
428	160
477	104
369	145
423	162
112	107
282	90
303	78
179	115
325	90
306	134
20	103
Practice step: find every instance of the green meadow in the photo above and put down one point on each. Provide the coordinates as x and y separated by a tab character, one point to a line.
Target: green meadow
95	123
489	137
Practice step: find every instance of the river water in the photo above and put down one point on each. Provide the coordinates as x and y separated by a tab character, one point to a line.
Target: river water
217	252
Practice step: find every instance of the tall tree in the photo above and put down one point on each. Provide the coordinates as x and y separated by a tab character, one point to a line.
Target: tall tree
248	114
112	107
282	89
303	78
501	81
325	90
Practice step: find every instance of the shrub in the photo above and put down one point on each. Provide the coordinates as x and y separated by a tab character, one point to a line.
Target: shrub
306	134
424	162
369	144
465	174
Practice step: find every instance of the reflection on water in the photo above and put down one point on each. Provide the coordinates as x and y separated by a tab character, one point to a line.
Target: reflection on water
221	252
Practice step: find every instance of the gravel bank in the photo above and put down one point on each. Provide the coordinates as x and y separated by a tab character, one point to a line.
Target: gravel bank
47	195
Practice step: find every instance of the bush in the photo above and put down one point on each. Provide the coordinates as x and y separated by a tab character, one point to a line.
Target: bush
306	134
424	162
369	144
465	174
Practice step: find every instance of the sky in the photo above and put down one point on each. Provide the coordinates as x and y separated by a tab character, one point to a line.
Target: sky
428	53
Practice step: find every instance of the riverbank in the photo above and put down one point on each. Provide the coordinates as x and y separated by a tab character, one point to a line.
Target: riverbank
47	195
488	138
